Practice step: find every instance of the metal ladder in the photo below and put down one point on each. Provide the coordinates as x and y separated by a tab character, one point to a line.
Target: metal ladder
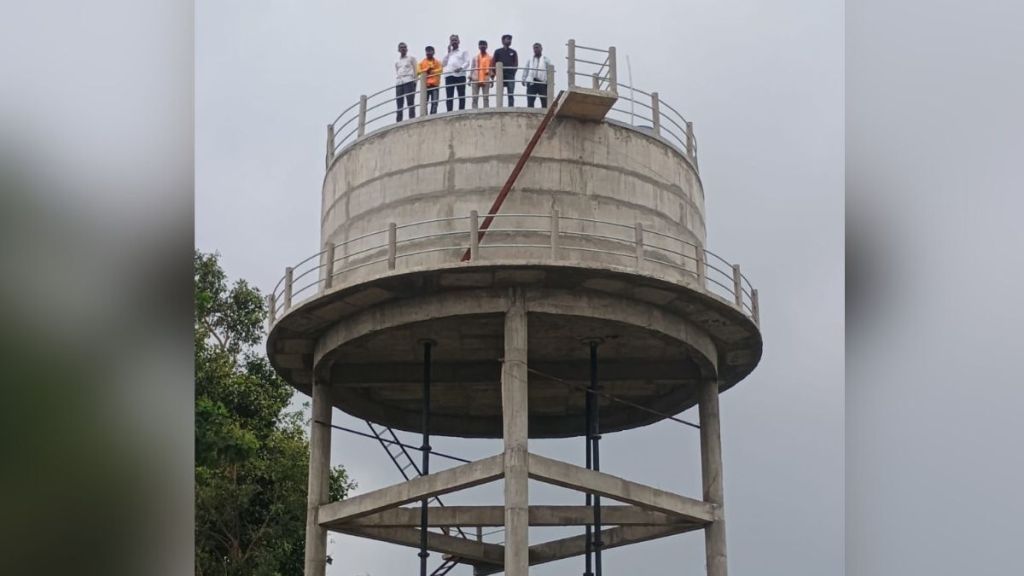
404	462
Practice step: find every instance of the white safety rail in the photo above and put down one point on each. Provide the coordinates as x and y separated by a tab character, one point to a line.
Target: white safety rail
586	67
597	69
530	238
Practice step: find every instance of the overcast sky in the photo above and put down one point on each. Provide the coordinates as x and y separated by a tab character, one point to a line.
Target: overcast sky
763	83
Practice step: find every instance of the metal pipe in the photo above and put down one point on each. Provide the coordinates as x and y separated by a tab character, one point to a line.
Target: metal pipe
425	468
596	440
588	416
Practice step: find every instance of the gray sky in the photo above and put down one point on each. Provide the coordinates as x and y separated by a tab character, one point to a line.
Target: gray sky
763	84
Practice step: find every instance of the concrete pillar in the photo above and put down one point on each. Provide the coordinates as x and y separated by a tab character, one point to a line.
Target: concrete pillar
289	274
514	410
474	228
329	265
656	113
613	70
570	68
551	85
361	123
499	84
711	474
330	144
319	471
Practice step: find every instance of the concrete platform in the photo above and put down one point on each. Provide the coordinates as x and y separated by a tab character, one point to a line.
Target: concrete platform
659	339
585	103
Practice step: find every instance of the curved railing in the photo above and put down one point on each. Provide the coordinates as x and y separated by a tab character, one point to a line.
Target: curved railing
641	110
534	238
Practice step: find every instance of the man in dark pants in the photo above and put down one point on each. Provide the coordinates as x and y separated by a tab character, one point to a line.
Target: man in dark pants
455	63
432	69
535	77
405	82
509	59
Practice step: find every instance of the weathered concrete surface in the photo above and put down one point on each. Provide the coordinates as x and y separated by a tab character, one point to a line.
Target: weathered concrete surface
661	339
515	412
491	516
450	480
603	484
318	480
451	165
711	475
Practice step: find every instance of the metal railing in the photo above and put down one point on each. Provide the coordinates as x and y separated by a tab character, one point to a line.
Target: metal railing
545	238
641	110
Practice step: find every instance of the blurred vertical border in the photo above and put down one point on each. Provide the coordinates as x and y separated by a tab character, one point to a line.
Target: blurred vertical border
935	270
96	189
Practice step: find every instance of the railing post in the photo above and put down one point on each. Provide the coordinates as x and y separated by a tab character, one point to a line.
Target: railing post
613	71
474	235
571	64
329	267
554	233
698	252
596	81
330	144
361	128
499	79
656	113
737	285
755	307
423	96
392	245
639	233
288	272
551	84
689	139
271	313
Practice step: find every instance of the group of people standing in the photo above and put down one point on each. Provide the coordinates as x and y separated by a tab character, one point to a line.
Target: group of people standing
459	69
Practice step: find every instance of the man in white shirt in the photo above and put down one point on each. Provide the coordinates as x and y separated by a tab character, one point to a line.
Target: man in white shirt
455	63
405	82
535	77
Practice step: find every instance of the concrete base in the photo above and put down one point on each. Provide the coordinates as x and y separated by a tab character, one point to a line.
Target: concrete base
661	338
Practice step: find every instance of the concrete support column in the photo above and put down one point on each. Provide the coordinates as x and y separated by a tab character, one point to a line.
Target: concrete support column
319	471
711	474
514	409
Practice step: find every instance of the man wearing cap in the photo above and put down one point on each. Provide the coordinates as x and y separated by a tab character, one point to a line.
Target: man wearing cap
482	73
405	82
535	77
509	59
456	62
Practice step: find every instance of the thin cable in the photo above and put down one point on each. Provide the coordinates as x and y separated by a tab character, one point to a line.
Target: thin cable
372	437
608	396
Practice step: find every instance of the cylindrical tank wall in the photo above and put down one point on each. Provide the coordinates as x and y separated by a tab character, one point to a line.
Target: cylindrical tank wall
446	166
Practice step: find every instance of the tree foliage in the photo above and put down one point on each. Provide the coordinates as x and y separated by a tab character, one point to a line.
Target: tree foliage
252	453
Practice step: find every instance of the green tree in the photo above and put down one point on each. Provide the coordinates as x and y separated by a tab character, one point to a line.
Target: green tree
252	453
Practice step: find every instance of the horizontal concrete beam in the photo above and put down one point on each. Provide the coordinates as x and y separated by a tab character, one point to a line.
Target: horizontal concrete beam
375	374
450	516
610	538
578	478
472	550
465	476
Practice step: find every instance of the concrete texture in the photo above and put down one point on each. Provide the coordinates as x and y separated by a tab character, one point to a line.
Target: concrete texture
515	412
318	480
661	338
711	475
449	165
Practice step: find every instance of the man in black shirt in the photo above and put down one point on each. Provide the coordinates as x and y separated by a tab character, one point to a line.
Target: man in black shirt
509	59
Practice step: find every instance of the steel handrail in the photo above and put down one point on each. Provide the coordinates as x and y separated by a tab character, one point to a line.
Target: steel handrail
706	265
